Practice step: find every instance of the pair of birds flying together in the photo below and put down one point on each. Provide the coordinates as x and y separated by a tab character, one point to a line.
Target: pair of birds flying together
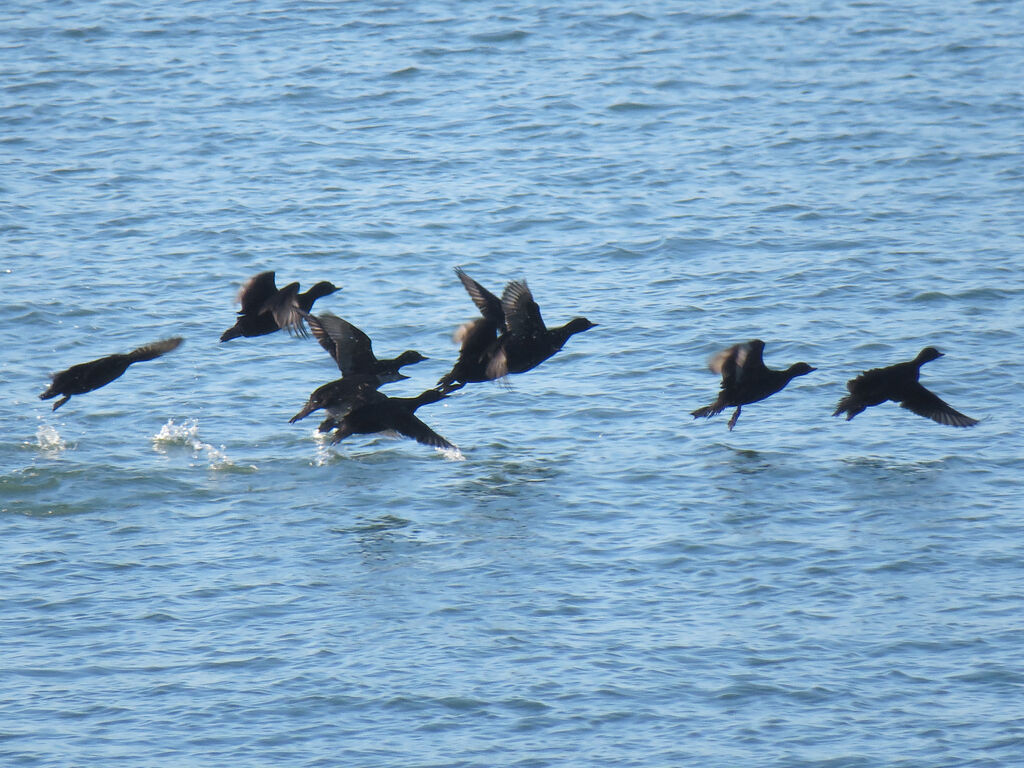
509	337
746	379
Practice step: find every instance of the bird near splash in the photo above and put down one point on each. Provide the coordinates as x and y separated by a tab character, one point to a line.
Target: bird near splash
374	412
361	370
266	309
746	379
900	384
85	377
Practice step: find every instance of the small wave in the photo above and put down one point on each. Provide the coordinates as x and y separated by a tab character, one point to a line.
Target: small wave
500	37
186	434
634	106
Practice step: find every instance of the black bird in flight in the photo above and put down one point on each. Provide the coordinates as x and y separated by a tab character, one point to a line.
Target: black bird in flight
266	309
746	379
899	383
85	377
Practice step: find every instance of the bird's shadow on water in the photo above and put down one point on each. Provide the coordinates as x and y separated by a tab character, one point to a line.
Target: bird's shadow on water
880	477
497	498
725	459
503	477
747	461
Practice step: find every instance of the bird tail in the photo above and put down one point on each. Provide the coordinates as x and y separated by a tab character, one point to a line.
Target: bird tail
449	383
428	396
340	434
708	410
155	350
307	409
230	333
849	406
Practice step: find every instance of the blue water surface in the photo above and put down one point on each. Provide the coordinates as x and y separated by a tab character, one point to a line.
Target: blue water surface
595	579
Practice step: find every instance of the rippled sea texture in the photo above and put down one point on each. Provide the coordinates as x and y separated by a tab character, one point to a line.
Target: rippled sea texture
190	580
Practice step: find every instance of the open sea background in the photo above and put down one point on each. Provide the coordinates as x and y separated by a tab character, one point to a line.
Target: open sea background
599	580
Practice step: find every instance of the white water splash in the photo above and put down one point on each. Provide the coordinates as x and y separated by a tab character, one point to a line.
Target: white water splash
49	440
324	453
187	434
452	454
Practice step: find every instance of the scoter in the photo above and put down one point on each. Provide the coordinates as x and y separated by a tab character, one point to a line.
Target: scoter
85	377
899	383
266	309
352	349
375	412
746	379
361	371
525	341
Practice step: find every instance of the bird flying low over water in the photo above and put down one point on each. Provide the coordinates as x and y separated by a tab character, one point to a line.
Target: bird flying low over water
899	383
361	371
477	337
746	379
85	377
374	412
266	309
352	349
337	398
524	341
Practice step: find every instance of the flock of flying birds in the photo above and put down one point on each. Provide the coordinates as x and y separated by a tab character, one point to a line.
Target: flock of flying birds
508	337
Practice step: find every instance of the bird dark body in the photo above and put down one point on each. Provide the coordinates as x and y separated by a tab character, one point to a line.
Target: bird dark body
900	384
746	379
85	377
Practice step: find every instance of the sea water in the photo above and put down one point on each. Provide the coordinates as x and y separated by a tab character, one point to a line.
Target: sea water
188	579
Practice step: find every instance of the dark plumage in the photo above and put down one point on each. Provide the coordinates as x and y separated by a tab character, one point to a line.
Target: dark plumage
337	397
899	383
361	371
85	377
524	341
489	305
374	412
266	309
477	337
352	349
746	379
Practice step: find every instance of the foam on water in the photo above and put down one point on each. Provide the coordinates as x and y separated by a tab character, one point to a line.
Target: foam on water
48	439
324	453
602	580
452	454
187	434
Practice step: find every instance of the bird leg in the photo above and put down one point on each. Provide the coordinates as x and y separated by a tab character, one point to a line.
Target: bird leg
735	416
340	434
